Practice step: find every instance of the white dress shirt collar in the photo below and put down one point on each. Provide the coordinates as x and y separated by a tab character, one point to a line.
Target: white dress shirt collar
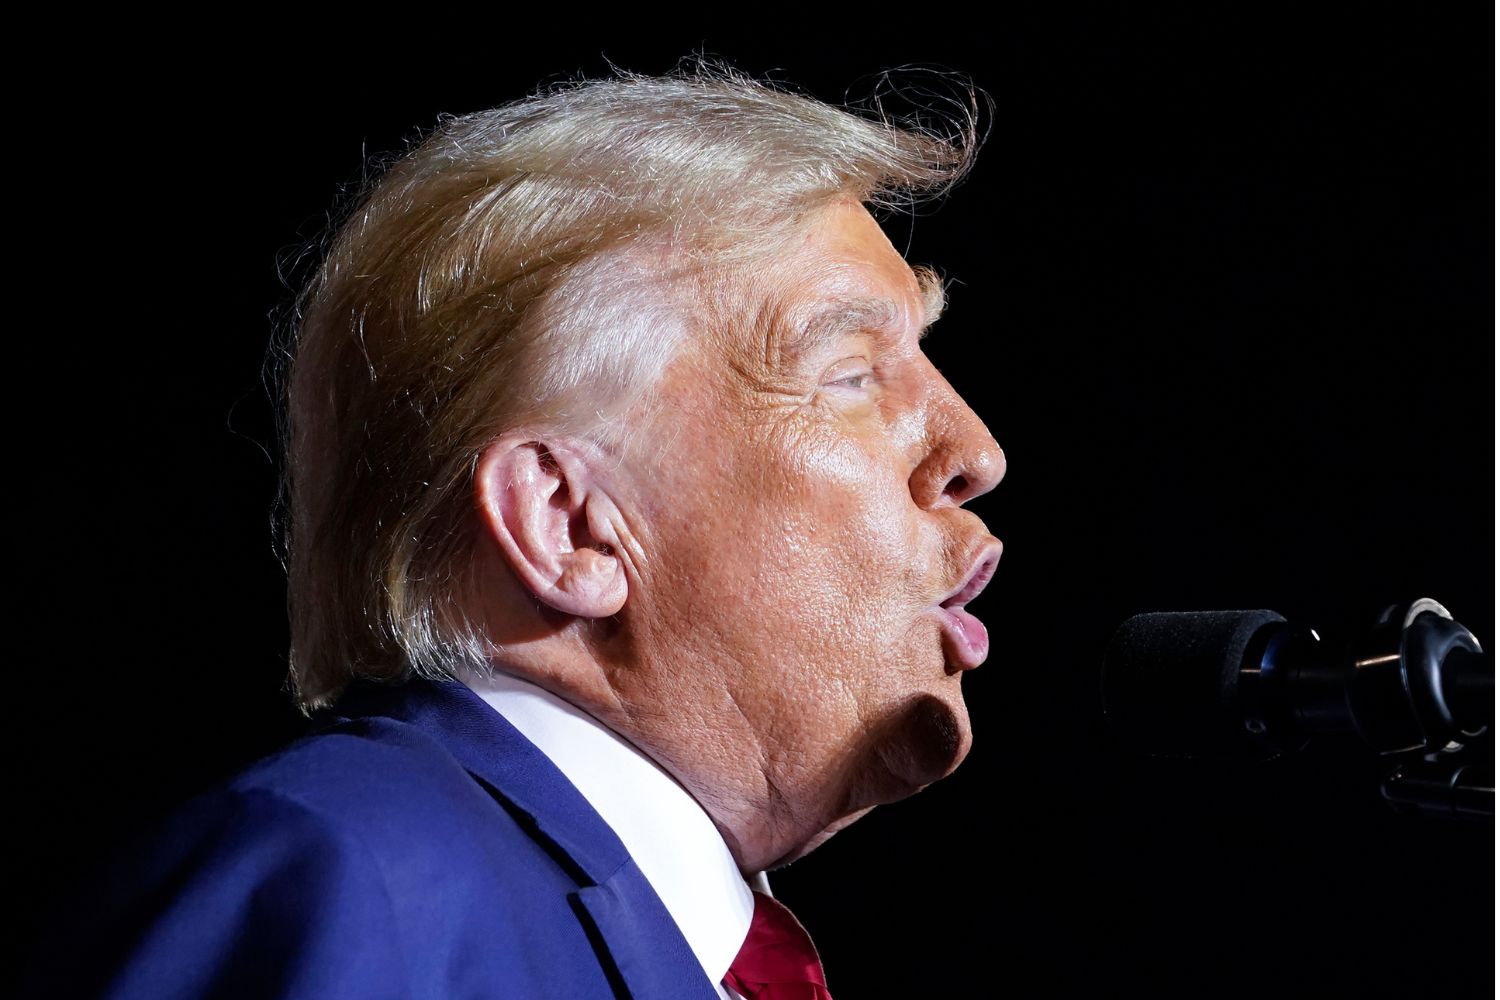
673	841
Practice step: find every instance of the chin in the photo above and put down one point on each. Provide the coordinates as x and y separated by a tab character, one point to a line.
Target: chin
922	741
938	737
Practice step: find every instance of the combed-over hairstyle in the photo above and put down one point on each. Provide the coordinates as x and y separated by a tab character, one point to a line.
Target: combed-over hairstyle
484	280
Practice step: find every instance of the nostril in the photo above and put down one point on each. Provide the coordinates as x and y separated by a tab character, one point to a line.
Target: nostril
957	487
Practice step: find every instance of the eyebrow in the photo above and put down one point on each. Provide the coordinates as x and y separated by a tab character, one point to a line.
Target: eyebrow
847	315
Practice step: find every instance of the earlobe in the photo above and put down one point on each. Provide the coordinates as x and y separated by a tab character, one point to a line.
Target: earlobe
550	522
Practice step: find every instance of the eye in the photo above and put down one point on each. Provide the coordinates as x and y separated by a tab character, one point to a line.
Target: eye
856	373
854	381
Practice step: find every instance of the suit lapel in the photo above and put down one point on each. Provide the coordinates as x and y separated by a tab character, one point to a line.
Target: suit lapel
638	942
624	911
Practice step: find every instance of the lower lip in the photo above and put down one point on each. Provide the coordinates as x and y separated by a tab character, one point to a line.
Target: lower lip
966	638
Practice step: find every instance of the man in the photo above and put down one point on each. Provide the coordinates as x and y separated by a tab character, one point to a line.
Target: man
627	562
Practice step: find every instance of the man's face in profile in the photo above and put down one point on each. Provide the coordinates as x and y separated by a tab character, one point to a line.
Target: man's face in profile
805	526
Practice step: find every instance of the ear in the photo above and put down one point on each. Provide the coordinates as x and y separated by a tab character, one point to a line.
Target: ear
552	524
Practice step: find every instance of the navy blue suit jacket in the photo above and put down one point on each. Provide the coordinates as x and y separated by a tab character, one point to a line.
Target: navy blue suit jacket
415	845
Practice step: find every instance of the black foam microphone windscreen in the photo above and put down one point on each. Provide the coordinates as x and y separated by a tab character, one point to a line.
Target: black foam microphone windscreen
1170	681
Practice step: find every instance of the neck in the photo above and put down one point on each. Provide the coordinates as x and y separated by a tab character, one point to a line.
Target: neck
687	721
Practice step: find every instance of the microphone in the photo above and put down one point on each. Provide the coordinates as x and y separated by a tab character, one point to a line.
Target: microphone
1416	687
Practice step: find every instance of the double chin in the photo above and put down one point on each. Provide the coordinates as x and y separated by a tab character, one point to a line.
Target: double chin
922	742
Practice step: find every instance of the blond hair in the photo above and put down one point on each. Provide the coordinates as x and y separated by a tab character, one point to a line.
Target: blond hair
492	277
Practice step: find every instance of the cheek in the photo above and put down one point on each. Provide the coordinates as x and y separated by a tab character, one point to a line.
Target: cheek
860	487
794	540
848	538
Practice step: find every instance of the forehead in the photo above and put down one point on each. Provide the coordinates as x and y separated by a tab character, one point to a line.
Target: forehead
838	315
839	275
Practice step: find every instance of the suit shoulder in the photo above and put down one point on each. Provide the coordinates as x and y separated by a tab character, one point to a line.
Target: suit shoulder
362	860
428	825
364	770
241	891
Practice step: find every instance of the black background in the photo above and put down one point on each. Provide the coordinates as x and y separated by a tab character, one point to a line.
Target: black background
1220	285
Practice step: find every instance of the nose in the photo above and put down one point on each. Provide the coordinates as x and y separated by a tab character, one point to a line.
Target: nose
963	460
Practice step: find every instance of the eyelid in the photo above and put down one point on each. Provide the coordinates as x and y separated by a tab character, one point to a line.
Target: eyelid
864	363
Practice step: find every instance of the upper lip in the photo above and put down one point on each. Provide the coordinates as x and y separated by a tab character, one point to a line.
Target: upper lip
974	582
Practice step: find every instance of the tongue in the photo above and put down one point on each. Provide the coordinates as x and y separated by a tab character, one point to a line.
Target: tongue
975	634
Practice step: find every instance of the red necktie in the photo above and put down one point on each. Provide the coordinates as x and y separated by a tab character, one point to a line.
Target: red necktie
777	960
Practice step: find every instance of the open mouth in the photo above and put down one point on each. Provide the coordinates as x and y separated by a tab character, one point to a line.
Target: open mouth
966	641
